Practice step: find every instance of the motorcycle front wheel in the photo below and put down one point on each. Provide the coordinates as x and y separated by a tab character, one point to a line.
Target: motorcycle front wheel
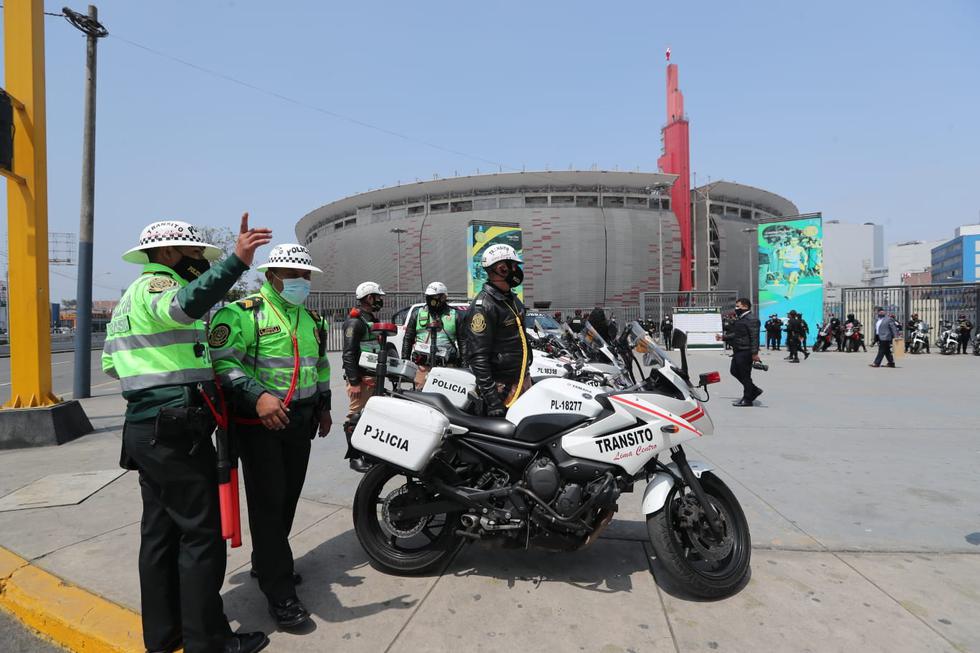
706	565
401	546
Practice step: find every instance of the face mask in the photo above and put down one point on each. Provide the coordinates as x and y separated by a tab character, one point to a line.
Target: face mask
515	276
377	304
191	268
295	291
741	311
435	302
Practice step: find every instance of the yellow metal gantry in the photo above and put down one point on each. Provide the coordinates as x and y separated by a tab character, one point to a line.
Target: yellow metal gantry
27	208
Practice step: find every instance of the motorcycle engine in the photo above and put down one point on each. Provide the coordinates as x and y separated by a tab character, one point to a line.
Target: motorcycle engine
569	500
542	478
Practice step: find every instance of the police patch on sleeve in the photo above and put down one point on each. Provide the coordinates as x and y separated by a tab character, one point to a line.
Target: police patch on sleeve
160	283
219	335
479	323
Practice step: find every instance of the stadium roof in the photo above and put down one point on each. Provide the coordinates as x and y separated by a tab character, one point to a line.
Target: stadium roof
517	182
749	196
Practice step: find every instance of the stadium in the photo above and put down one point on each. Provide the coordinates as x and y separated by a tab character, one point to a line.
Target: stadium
588	237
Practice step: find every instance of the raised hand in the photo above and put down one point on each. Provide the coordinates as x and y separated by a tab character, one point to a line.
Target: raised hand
250	240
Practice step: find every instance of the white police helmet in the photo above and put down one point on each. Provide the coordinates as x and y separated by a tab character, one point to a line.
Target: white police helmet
290	255
368	288
497	253
169	233
436	288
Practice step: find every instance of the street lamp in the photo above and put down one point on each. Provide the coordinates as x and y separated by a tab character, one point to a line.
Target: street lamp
398	258
750	230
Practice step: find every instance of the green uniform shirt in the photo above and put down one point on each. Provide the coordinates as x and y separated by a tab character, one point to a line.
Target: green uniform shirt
253	351
156	343
445	337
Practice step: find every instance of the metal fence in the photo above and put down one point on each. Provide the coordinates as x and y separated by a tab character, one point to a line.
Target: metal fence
934	303
658	304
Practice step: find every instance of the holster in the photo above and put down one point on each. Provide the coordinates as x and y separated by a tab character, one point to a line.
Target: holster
184	424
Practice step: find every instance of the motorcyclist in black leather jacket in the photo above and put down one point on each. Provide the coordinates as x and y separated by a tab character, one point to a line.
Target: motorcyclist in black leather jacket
496	344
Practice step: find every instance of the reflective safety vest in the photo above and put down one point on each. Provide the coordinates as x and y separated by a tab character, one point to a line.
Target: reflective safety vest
150	341
252	347
445	337
369	341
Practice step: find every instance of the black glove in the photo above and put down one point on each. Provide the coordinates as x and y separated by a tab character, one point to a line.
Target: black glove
497	412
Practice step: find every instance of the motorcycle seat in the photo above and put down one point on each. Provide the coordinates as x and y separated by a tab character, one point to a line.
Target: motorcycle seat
498	427
537	428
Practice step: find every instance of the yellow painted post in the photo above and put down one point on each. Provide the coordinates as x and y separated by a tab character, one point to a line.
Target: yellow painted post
27	208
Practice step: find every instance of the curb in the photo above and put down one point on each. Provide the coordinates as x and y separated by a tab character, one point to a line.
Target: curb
63	613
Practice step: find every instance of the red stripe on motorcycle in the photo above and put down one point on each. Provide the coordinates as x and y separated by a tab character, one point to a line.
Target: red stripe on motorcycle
649	410
693	415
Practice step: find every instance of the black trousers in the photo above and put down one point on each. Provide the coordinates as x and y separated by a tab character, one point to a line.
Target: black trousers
964	340
668	335
274	465
182	555
741	369
884	351
773	341
793	345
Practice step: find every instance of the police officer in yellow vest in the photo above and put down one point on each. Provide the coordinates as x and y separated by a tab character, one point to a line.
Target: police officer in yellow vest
437	318
269	352
156	346
358	338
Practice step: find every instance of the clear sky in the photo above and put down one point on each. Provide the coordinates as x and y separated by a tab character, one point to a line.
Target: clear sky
866	111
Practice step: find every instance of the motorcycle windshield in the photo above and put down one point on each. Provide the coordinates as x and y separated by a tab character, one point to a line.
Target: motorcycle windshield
592	336
641	342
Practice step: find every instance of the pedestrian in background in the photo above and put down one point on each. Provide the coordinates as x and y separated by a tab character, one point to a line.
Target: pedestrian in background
359	339
886	330
774	332
742	334
577	323
597	318
667	330
795	333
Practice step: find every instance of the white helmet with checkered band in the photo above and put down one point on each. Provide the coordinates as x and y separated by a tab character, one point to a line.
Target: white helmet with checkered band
170	233
290	255
497	253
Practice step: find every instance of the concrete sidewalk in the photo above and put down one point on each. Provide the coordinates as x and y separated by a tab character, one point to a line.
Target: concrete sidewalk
861	487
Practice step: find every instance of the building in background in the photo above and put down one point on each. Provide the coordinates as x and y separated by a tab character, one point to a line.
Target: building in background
854	254
912	257
725	246
958	260
588	237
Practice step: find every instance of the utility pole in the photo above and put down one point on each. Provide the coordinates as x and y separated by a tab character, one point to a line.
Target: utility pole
93	31
751	248
398	258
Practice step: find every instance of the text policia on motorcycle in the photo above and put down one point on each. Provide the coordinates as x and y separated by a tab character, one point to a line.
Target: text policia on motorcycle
269	352
157	347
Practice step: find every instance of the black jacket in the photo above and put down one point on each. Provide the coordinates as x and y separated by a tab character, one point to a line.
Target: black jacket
774	327
795	328
666	326
576	324
597	318
496	342
743	333
408	342
355	331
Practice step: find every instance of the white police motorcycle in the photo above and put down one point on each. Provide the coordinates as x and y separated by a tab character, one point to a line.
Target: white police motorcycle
550	474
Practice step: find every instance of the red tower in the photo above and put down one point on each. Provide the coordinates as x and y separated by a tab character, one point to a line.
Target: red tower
676	160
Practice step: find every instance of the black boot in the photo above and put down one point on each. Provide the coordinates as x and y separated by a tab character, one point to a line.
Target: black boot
289	613
246	643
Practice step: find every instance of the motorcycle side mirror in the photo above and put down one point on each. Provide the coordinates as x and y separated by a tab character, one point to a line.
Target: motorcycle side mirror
708	378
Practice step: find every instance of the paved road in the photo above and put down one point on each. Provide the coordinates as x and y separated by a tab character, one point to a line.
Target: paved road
62	375
860	486
18	639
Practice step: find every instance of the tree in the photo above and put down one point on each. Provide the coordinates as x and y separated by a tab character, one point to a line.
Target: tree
224	239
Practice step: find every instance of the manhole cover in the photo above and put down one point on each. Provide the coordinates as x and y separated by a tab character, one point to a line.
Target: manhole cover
59	490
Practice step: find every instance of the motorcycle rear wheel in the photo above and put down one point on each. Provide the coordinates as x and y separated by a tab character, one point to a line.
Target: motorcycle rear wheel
397	548
678	552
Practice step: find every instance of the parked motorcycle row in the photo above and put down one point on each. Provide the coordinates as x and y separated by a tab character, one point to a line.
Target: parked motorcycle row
550	474
850	338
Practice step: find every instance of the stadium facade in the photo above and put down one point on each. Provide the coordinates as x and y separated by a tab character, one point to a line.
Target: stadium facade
589	236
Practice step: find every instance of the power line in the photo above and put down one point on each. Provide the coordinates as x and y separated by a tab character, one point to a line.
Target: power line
311	107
